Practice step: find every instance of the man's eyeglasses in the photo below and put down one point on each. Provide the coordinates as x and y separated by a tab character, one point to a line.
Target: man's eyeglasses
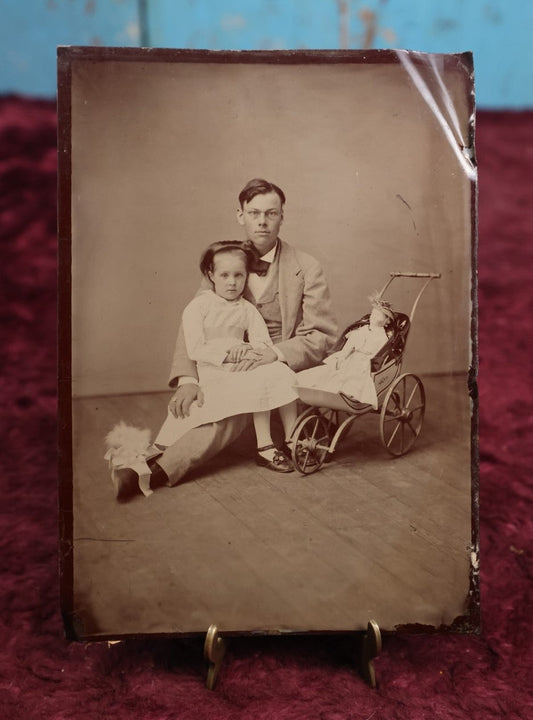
269	214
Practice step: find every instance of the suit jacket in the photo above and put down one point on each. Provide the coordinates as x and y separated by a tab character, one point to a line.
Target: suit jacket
308	326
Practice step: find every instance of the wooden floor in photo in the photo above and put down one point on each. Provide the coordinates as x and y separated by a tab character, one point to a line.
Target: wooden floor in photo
366	537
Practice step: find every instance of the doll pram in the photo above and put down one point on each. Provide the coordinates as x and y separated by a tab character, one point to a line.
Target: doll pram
401	398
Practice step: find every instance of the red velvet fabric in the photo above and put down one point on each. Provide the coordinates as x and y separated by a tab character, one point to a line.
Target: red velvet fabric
445	677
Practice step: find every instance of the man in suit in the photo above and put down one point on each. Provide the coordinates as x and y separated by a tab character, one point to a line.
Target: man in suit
292	295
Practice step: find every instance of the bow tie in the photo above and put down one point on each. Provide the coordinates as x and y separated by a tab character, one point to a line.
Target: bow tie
257	266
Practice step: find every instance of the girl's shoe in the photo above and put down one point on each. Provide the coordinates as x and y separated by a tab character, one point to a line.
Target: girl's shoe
286	448
279	463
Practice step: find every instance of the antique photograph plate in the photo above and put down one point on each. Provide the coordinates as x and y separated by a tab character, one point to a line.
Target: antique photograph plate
374	152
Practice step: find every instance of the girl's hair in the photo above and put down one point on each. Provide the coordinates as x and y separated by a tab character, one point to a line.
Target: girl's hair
207	261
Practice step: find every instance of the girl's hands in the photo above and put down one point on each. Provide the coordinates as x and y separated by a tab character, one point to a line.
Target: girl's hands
256	357
237	353
247	357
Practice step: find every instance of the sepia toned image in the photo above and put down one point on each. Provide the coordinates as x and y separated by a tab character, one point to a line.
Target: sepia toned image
267	342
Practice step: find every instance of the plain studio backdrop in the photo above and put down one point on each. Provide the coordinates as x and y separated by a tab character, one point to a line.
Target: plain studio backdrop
374	178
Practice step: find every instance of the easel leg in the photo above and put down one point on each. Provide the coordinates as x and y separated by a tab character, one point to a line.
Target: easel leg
370	648
214	651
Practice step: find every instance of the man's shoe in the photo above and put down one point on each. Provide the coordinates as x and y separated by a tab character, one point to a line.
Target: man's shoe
279	463
158	478
126	481
128	450
126	484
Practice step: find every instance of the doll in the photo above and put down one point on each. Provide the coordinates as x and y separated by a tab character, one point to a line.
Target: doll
348	370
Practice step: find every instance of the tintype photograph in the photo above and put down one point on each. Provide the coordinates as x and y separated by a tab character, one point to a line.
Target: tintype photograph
267	341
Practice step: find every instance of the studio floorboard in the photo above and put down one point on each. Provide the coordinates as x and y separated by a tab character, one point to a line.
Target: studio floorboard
366	537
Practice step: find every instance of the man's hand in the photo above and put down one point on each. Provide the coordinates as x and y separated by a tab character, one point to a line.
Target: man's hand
180	403
237	353
255	358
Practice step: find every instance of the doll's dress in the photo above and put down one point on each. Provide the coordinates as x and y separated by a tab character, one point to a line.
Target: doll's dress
353	374
212	325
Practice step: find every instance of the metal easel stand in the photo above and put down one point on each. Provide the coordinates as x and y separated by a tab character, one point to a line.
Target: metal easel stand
214	651
368	647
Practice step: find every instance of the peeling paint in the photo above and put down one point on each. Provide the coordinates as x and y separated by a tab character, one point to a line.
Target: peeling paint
344	24
444	25
133	31
390	37
230	23
369	20
492	14
370	24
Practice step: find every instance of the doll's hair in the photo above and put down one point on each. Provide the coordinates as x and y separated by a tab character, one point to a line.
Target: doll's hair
376	302
383	306
233	247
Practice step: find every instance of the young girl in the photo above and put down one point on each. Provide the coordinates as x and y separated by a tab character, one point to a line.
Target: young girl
348	370
215	324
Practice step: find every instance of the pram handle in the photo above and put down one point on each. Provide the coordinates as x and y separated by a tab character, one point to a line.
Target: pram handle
428	277
413	274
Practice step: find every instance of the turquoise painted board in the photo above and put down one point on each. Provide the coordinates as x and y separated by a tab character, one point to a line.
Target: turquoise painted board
30	31
244	24
498	32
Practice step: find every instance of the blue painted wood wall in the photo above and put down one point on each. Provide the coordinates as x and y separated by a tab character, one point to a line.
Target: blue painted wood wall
499	32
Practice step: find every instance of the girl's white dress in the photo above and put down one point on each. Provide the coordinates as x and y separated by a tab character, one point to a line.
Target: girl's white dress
213	325
348	370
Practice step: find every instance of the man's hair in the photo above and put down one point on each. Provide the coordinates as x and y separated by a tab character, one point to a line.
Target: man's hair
258	186
207	261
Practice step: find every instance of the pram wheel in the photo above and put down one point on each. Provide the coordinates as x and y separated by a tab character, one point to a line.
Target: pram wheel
310	444
402	414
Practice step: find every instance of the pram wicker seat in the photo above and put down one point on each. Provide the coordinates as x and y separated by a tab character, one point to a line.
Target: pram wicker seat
401	398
